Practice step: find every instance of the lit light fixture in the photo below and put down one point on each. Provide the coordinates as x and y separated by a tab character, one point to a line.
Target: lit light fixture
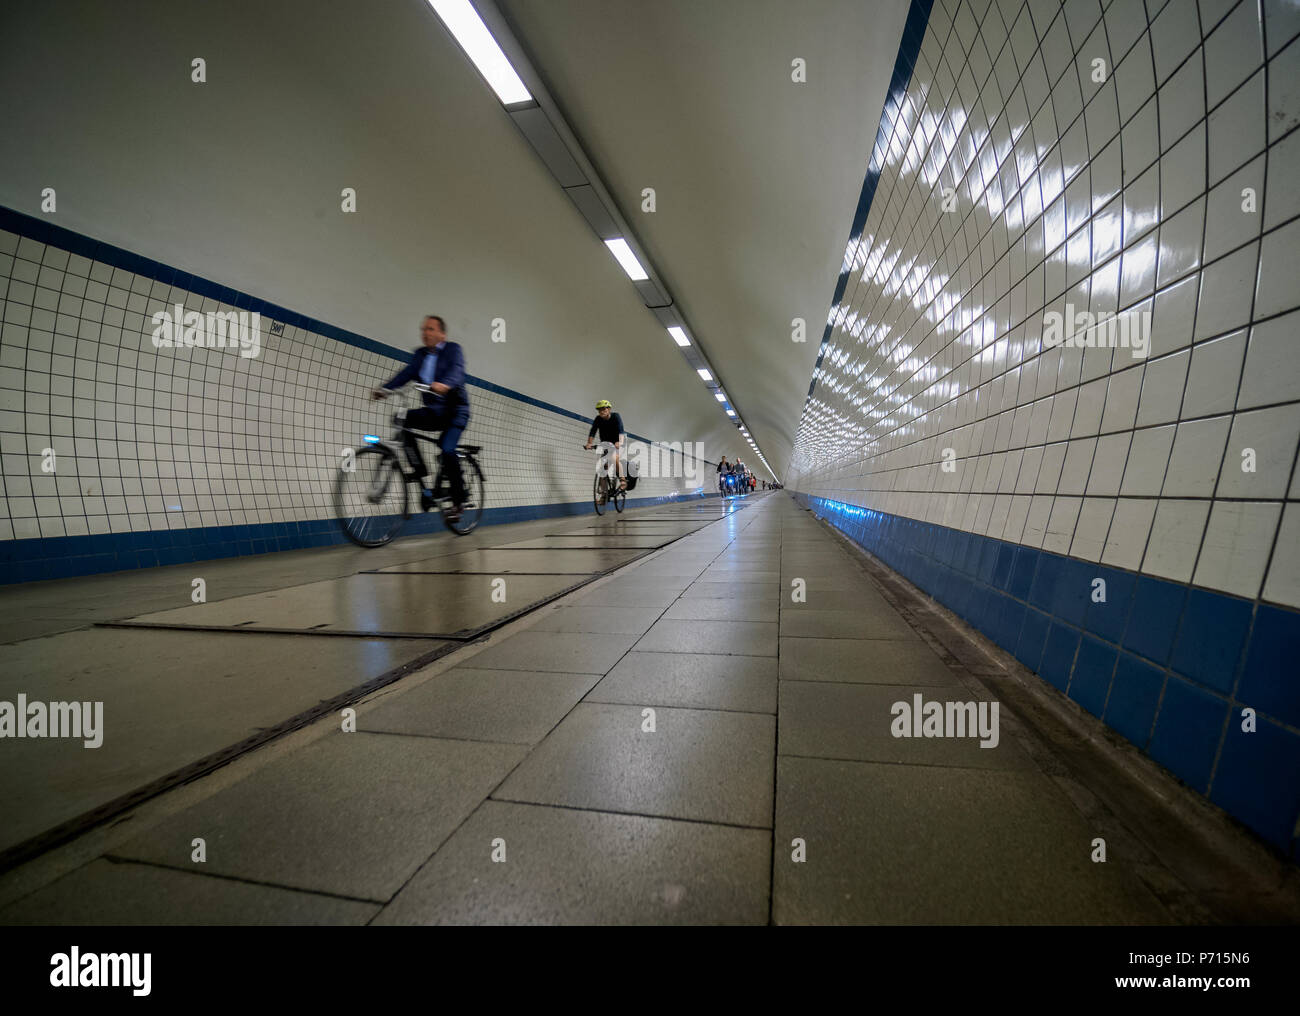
704	374
720	396
679	336
624	256
467	28
731	412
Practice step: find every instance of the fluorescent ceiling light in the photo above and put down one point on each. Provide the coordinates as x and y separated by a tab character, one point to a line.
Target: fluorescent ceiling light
731	412
704	374
624	256
463	22
719	396
679	337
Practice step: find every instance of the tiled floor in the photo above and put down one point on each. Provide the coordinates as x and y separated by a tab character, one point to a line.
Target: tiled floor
706	736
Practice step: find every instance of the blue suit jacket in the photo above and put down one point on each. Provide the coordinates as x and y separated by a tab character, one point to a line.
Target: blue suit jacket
450	371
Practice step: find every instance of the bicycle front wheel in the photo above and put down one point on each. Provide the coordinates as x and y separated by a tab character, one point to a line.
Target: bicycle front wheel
598	494
370	499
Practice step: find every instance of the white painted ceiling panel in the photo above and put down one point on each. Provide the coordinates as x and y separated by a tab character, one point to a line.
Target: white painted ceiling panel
756	177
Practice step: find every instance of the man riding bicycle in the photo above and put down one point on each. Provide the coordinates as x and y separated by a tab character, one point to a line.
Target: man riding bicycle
610	426
440	364
724	471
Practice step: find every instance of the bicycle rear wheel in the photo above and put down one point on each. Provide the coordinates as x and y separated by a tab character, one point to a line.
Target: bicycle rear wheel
371	499
620	499
472	510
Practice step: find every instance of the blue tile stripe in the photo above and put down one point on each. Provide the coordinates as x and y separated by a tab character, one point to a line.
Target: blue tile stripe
1169	667
918	19
59	557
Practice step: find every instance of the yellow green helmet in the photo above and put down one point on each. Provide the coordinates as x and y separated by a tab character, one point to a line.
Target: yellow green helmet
604	404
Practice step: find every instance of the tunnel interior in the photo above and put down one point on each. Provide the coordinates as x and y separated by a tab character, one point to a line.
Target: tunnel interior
981	575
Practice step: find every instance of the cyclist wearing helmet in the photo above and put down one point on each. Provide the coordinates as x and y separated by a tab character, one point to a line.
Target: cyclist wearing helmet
610	426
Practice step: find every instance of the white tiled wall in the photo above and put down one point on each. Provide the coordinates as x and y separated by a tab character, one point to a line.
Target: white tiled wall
149	439
1124	194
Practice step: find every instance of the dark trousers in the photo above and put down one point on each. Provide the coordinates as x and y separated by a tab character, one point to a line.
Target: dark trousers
427	418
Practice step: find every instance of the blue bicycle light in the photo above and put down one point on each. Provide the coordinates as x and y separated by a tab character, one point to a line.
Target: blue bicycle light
370	439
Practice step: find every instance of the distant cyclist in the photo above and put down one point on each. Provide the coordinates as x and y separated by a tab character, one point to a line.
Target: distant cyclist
724	470
610	426
440	364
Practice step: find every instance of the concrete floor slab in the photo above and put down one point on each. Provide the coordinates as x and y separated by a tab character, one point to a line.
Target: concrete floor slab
620	524
675	564
35	627
673	574
863	661
389	603
591	541
599	619
889	844
824	587
492	561
731	590
857	721
744	576
802	622
628	592
742	638
122	893
565	866
707	766
169	698
691	681
735	557
562	652
480	705
367	811
702	608
819	595
816	559
668	529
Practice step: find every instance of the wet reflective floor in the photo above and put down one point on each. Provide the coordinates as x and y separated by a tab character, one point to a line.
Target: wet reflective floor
280	634
708	732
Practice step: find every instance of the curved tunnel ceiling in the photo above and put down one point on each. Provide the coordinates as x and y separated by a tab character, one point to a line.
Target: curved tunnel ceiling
238	180
756	177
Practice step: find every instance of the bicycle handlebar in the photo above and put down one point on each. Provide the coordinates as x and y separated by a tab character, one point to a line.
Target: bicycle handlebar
414	384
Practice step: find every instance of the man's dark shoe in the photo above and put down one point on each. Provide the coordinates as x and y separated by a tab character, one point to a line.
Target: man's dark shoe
427	502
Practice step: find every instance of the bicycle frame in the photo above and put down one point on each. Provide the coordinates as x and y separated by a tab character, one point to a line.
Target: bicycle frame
396	445
608	450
